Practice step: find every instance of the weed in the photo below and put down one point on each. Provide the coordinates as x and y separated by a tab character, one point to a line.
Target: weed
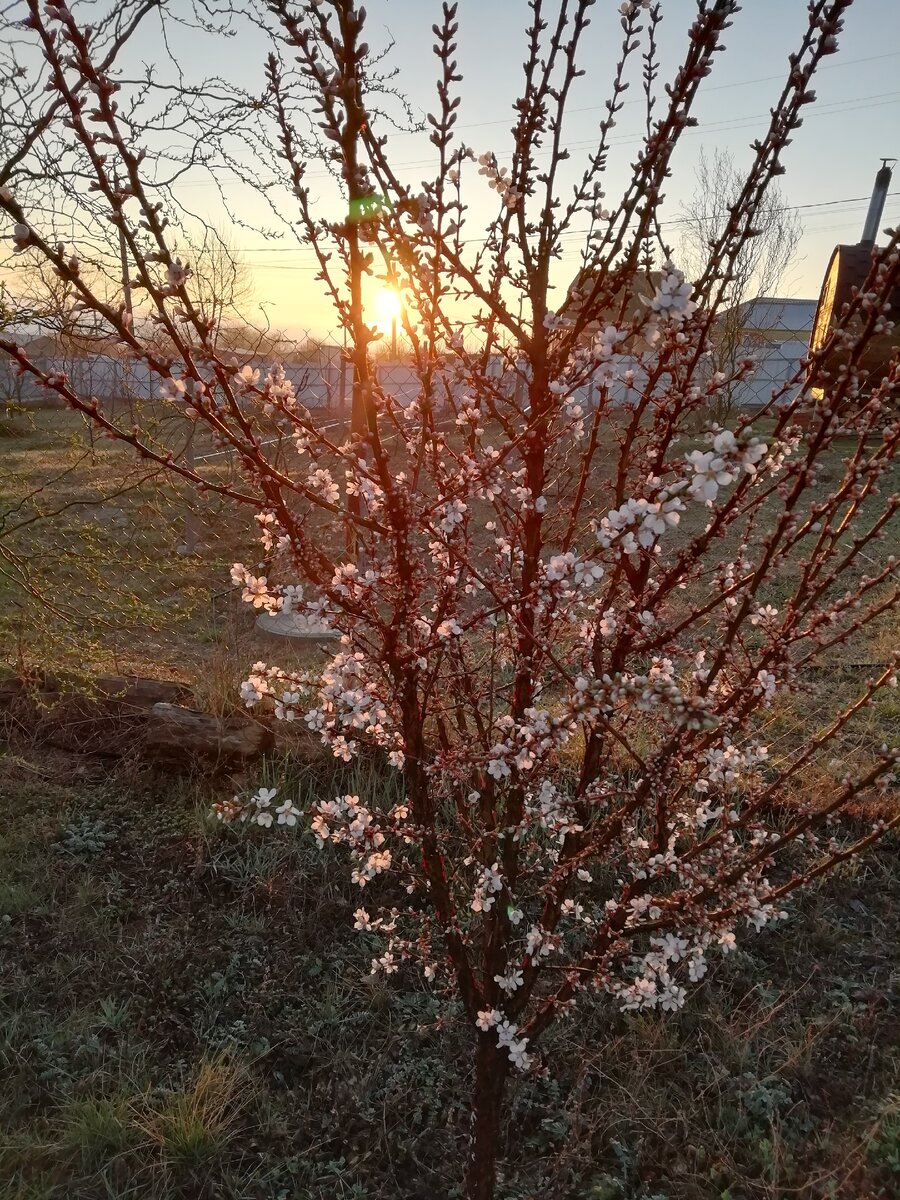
96	1129
17	897
113	1015
884	1149
189	1126
85	839
255	864
193	1016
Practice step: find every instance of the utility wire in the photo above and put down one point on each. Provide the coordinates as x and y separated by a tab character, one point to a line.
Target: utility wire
572	233
853	104
581	232
716	87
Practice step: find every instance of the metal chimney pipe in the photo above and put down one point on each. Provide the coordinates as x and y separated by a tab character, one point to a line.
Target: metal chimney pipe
876	204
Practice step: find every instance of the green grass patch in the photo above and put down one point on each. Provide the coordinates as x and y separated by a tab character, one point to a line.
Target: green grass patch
186	1012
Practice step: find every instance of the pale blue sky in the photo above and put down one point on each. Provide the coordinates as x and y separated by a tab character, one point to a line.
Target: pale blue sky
833	159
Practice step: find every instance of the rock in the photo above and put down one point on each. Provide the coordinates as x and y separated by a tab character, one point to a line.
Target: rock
121	715
178	735
105	720
38	689
128	690
141	693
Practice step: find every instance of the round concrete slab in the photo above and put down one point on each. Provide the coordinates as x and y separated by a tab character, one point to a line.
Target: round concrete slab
296	626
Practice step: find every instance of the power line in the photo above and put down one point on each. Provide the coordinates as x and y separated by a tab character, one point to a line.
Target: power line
854	104
718	87
820	204
576	233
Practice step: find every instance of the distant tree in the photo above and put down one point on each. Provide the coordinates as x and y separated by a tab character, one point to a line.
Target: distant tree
768	250
222	287
561	627
38	304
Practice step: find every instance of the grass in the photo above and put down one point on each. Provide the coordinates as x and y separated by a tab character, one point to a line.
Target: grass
97	582
188	1127
187	1012
97	538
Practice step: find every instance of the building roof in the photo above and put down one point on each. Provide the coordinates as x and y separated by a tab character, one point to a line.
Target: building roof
774	312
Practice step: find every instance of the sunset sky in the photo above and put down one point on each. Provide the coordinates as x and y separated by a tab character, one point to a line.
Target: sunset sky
830	166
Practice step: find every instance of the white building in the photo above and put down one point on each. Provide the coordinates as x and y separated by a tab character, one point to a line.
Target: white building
775	334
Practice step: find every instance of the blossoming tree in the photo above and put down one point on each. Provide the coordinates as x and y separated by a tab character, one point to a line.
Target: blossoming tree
562	620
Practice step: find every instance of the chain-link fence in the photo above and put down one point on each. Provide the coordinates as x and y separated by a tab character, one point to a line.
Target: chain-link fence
774	334
109	563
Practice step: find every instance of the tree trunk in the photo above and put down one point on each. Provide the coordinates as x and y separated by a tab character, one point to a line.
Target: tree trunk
491	1070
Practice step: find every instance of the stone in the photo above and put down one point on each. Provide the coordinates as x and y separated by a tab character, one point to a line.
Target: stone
178	735
136	692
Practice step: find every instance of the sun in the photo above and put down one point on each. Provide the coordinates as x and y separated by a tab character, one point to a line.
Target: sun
388	309
387	306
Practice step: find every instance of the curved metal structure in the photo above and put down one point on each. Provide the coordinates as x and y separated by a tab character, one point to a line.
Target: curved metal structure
847	271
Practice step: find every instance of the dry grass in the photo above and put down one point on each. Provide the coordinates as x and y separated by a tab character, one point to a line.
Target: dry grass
191	1125
187	1014
97	582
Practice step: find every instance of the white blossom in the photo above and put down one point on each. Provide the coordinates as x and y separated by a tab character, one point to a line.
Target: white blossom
488	1018
509	982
